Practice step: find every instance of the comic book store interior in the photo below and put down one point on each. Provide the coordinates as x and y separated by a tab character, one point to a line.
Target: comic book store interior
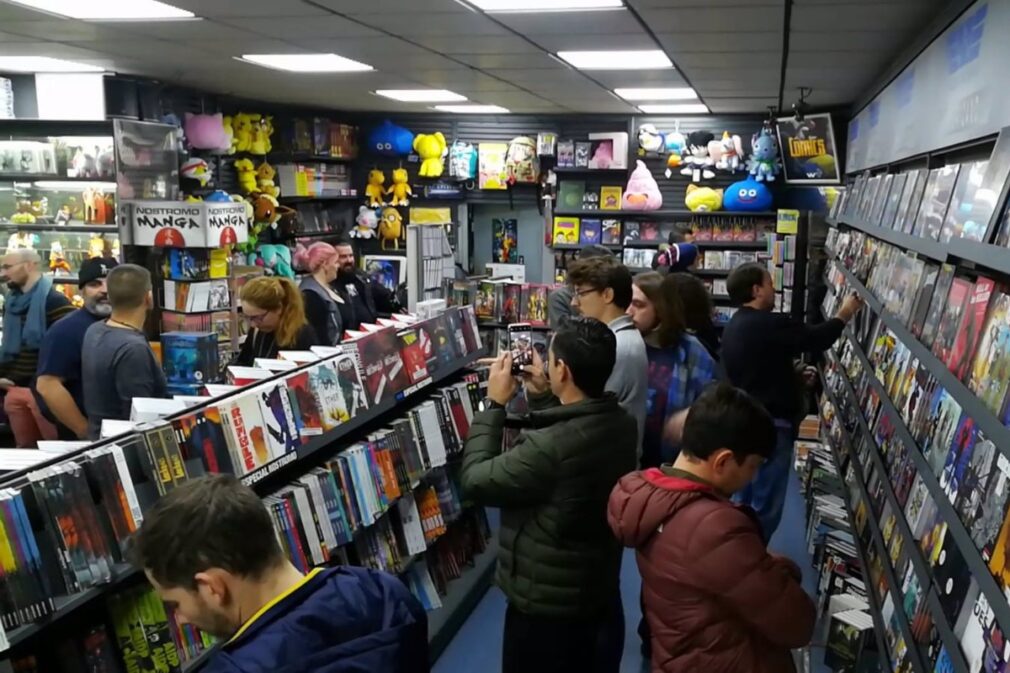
532	336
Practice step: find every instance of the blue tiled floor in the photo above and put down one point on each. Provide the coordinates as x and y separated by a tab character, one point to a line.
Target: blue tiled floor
477	645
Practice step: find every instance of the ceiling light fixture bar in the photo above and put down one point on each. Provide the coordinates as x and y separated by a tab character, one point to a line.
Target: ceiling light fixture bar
472	109
643	59
109	10
657	93
421	95
541	6
674	108
306	63
44	64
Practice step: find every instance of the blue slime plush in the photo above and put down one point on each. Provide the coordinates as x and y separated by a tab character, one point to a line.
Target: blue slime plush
747	196
390	140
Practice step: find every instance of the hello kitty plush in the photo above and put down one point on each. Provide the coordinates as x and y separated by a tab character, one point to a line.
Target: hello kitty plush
642	192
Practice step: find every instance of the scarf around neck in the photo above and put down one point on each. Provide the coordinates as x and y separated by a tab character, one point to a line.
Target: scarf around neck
25	319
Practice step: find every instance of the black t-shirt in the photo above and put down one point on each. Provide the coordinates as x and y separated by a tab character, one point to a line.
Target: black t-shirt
355	309
259	344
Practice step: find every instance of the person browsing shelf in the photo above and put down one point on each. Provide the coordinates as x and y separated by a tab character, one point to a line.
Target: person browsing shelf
117	363
322	303
31	309
716	600
759	352
211	553
273	307
59	387
698	310
364	299
559	303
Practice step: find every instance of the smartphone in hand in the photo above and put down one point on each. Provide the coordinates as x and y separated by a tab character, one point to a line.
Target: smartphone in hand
520	346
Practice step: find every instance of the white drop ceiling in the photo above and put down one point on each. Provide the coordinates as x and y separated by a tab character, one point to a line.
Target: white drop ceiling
729	50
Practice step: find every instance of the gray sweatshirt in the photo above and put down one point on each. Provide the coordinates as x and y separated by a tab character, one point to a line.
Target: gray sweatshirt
630	378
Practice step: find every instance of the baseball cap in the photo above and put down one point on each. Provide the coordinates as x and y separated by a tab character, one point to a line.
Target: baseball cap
94	269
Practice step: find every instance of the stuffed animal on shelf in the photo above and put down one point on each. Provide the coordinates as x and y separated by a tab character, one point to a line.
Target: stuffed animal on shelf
276	260
697	162
229	132
748	196
57	260
218	196
764	160
390	140
365	224
390	228
196	173
268	132
265	180
432	149
96	246
242	127
260	138
374	189
246	175
206	132
24	213
649	138
730	153
642	192
400	188
703	199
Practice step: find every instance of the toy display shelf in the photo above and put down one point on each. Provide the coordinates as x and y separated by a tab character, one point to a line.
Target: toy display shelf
312	234
705	245
578	170
574	246
658	214
49	177
19	129
711	272
69	228
65	280
326	197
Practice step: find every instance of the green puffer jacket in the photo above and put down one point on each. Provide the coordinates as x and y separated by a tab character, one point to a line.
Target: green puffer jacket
557	555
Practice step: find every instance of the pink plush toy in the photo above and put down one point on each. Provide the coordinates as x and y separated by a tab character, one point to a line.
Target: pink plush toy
206	132
642	192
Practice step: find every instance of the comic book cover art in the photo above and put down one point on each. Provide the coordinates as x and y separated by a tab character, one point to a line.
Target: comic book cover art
486	302
202	434
923	295
610	232
371	353
281	429
936	305
975	481
952	577
950	323
471	335
412	354
505	243
434	340
352	393
512	301
536	304
325	388
247	436
915	397
958	457
999	561
968	215
941	424
190	357
305	405
911	196
454	326
967	338
990	372
992	508
903	386
935	199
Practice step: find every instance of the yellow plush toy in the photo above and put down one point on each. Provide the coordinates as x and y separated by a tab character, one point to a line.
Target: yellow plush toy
373	191
432	149
243	131
703	199
268	130
246	175
400	188
229	132
259	135
390	228
265	180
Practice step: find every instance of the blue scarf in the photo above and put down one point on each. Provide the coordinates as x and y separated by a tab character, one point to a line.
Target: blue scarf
25	319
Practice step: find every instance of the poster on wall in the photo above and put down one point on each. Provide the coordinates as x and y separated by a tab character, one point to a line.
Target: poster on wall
505	241
388	270
809	153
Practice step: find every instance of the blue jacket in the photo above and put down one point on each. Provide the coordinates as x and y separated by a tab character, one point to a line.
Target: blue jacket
338	620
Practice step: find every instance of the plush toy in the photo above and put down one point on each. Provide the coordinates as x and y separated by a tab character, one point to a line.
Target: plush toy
197	171
268	132
748	196
229	132
96	246
432	148
276	260
374	189
698	163
703	199
400	188
265	180
218	196
250	212
730	153
242	127
390	140
365	223
603	157
246	175
390	228
260	140
642	192
764	160
24	213
649	138
206	132
675	142
57	260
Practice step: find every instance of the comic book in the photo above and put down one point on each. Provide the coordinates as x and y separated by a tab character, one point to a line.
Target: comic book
911	196
412	354
352	392
893	201
992	507
922	296
536	304
486	305
916	397
975	481
935	199
958	457
278	419
610	232
944	414
941	290
990	372
967	338
303	402
201	434
512	293
952	577
244	431
968	215
950	322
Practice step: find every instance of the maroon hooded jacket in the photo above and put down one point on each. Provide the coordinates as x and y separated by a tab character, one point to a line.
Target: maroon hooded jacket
716	600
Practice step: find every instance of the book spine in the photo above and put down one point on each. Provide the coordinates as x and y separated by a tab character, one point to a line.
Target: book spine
164	654
297	533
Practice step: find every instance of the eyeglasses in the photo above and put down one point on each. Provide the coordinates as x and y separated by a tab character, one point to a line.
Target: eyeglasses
578	294
8	267
256	319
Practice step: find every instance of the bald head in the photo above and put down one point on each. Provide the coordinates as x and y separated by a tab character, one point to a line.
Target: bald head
20	268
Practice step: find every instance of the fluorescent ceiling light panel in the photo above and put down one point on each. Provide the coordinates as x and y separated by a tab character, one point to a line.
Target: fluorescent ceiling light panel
674	108
43	64
307	62
108	10
641	59
515	6
662	93
421	95
472	109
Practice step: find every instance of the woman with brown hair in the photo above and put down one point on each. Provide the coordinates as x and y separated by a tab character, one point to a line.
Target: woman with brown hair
273	307
698	310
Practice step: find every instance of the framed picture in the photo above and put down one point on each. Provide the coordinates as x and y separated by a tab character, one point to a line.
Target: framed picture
390	270
808	149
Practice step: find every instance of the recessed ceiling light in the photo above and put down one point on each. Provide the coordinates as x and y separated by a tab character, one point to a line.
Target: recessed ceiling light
421	95
545	5
43	64
472	109
675	108
643	59
108	10
307	62
664	93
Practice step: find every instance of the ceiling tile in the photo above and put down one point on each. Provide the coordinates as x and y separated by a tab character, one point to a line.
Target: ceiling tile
461	80
726	59
305	27
10	37
464	44
742	76
433	23
249	8
59	30
535	60
390	53
393	6
725	40
556	75
183	31
738	105
651	78
566	23
841	40
768	5
896	19
573	41
698	19
252	44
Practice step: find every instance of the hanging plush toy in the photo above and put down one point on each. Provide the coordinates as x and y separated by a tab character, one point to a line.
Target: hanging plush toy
206	132
730	153
365	223
400	189
265	180
697	162
374	189
649	138
432	150
390	140
703	199
246	175
195	173
748	196
642	192
675	145
390	228
764	160
242	128
276	260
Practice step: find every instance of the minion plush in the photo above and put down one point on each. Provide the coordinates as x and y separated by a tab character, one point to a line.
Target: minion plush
390	228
